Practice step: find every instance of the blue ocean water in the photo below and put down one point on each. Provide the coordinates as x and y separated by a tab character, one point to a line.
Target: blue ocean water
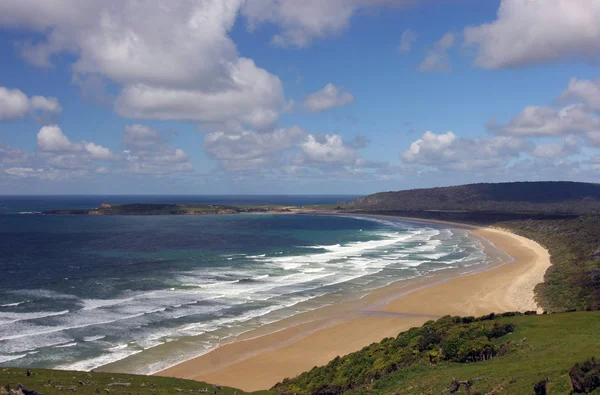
78	292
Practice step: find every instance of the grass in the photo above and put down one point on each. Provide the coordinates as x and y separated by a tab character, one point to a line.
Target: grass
554	343
49	382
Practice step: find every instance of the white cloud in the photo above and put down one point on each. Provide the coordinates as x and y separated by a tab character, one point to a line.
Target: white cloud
174	59
569	147
327	98
255	98
546	121
98	152
160	161
409	37
140	136
15	104
52	140
24	172
329	149
148	153
47	104
537	31
447	151
585	91
249	150
437	59
302	21
10	155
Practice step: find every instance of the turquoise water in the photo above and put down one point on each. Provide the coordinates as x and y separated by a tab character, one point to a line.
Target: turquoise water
78	292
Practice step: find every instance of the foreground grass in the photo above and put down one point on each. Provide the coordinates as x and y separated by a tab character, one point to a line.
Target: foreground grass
554	343
49	382
542	346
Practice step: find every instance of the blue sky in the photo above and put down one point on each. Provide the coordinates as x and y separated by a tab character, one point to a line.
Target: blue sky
289	97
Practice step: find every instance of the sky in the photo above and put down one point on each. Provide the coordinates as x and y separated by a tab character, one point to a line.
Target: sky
295	96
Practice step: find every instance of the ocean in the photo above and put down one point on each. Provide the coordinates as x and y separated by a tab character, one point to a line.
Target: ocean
80	292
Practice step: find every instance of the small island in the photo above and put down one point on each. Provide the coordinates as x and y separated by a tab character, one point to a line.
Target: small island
171	209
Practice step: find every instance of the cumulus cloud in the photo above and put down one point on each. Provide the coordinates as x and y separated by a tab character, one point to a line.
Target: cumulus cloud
147	152
51	139
15	163
569	147
329	149
15	104
30	172
537	31
303	21
327	98
546	121
11	155
290	150
447	151
174	59
249	150
585	91
437	59
140	136
408	38
160	161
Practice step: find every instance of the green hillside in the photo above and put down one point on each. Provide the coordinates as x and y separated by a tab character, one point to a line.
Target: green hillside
515	197
52	382
427	360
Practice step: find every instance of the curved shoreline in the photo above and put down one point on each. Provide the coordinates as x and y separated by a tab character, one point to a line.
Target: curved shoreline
314	338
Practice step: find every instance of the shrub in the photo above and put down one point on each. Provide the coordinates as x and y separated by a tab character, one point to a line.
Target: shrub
585	377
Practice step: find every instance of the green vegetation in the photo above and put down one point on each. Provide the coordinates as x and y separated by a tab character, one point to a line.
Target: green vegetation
170	209
431	358
50	382
573	280
585	377
513	197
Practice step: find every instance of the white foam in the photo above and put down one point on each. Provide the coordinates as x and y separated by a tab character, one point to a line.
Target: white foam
11	304
6	358
19	345
9	317
66	345
93	338
92	363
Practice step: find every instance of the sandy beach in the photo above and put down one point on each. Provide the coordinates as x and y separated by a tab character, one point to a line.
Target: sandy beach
258	360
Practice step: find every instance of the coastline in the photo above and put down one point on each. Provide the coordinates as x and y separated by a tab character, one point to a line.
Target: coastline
261	358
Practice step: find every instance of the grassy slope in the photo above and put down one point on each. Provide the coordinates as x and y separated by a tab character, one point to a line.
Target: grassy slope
48	382
554	343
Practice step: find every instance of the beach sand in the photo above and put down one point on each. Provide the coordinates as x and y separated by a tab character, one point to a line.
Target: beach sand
314	338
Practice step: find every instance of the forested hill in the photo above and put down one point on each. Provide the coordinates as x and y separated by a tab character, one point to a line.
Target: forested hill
546	197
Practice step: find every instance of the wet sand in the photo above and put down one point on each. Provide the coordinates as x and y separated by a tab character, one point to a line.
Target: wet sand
261	358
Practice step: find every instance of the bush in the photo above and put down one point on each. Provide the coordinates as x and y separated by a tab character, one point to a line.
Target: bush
455	339
585	377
